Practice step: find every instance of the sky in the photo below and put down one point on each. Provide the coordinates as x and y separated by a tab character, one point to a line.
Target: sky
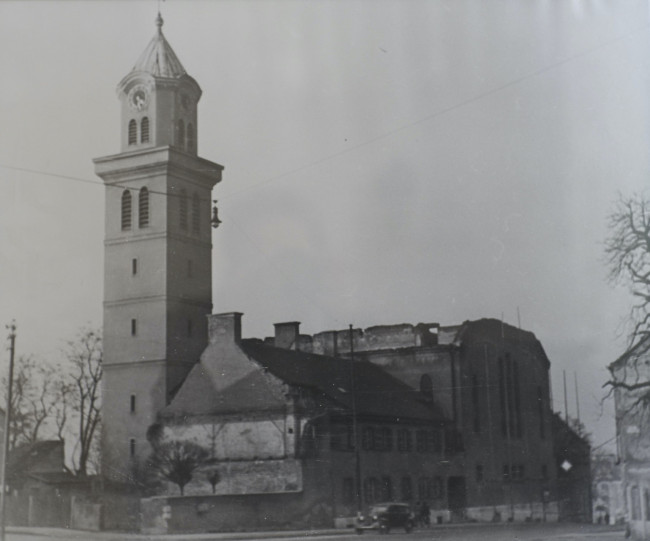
386	162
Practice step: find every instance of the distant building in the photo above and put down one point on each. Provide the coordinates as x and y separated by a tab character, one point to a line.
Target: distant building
633	437
607	489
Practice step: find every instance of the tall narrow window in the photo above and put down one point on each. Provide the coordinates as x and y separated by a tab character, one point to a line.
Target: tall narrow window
126	210
133	132
144	130
143	207
196	213
182	209
476	413
540	412
407	489
479	473
191	140
132	403
134	327
132	447
180	133
134	266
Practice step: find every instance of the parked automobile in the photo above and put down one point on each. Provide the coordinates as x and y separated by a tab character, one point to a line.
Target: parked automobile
385	516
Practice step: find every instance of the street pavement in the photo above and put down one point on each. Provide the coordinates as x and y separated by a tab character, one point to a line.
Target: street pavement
451	532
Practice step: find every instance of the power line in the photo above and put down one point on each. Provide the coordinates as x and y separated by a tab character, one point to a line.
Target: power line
380	137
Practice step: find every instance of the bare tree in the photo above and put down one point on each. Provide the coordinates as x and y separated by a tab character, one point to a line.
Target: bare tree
177	461
627	249
33	400
79	394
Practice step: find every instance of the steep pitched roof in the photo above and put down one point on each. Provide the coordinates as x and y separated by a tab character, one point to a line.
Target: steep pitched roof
376	393
36	457
159	59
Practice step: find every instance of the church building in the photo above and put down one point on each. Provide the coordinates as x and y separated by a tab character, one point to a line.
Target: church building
300	431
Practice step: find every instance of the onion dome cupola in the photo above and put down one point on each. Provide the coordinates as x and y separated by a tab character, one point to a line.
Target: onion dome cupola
159	100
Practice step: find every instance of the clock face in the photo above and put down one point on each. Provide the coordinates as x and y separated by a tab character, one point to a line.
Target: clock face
138	98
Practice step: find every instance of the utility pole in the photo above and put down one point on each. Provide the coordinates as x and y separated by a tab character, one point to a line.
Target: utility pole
5	454
355	437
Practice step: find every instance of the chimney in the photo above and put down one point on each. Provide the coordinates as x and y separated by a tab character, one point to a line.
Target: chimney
286	334
224	327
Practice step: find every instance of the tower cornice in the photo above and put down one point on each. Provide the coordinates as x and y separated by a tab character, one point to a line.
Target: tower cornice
128	166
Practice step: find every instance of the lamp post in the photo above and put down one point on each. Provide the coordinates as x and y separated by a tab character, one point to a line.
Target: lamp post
3	494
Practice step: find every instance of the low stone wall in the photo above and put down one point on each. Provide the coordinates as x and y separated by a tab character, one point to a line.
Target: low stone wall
85	515
522	512
232	513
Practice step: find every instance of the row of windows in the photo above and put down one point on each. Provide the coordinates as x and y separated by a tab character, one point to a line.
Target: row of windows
133	131
509	401
380	489
143	209
185	135
381	439
514	472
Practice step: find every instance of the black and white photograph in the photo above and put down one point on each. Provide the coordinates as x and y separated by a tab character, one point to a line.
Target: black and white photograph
286	269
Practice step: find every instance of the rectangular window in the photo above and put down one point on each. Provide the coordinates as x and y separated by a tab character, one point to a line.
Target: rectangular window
479	473
386	489
407	489
368	438
475	405
348	490
388	439
132	404
134	266
132	447
421	441
506	472
544	471
540	412
134	327
404	443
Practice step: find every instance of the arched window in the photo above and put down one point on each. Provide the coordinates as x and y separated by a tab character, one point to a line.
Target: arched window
191	140
180	133
196	213
126	210
143	207
182	210
133	132
144	130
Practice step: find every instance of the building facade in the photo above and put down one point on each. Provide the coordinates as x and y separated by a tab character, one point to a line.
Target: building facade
300	430
158	250
633	439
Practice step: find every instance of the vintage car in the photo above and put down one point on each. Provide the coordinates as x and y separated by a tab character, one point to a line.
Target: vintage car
385	516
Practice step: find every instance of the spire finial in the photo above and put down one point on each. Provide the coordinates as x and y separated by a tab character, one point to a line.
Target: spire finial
159	22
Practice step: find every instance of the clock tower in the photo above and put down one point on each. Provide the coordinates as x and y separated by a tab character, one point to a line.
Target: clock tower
158	248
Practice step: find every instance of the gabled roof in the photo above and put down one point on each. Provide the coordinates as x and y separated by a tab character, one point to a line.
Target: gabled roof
36	457
159	59
376	393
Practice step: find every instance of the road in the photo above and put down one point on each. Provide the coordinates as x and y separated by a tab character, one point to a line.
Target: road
468	532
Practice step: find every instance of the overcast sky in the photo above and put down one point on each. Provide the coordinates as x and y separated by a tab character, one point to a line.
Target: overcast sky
385	162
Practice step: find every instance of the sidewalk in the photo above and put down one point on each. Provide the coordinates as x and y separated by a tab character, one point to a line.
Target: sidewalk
62	533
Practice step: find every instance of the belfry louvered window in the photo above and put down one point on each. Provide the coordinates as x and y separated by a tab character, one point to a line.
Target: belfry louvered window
180	134
191	140
133	132
144	130
182	209
196	213
143	208
126	210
